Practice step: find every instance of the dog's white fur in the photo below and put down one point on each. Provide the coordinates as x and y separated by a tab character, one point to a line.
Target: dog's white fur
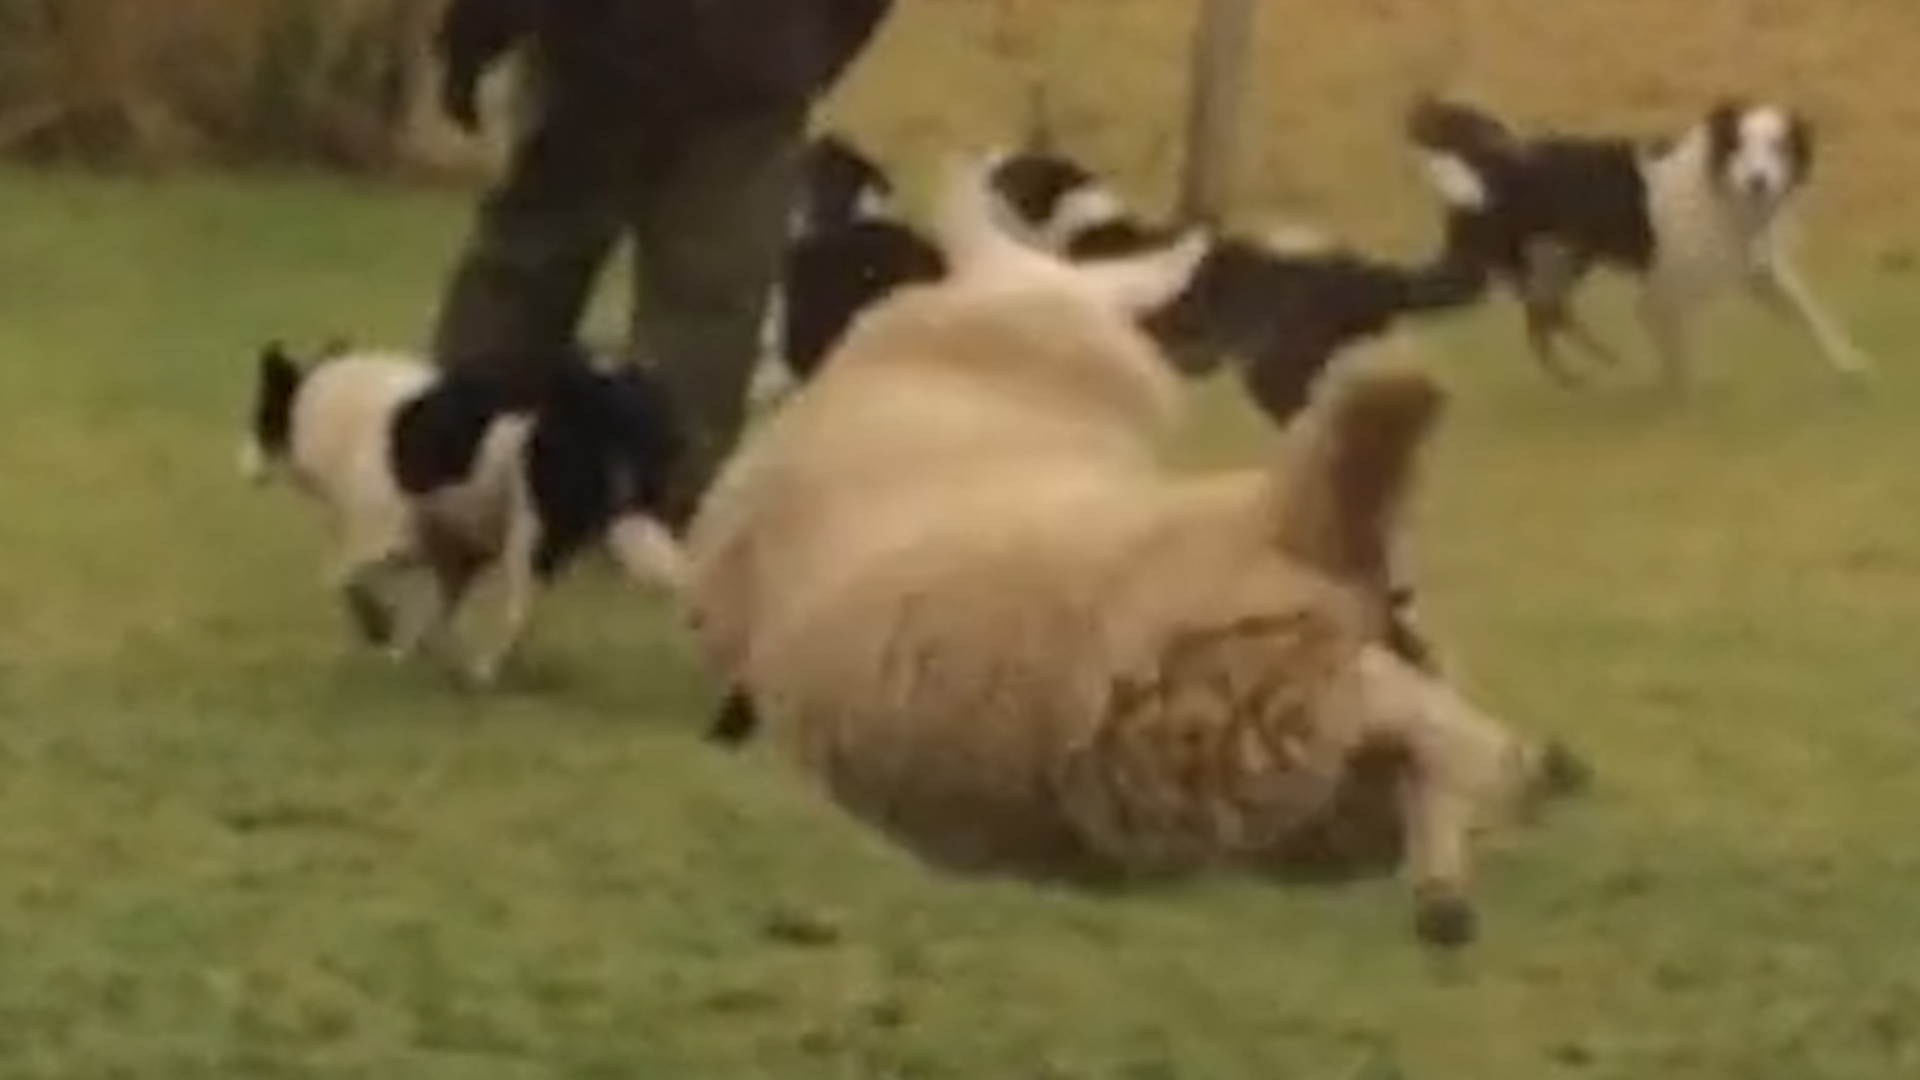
339	443
1456	182
1715	232
1733	229
935	572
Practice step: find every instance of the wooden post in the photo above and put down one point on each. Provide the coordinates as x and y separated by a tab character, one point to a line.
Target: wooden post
1214	78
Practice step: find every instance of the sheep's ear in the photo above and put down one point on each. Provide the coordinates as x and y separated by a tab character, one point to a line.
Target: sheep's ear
1145	283
969	226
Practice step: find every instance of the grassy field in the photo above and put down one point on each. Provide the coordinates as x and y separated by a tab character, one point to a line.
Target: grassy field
231	846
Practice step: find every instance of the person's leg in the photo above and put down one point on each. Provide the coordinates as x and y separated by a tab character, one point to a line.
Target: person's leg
708	240
520	287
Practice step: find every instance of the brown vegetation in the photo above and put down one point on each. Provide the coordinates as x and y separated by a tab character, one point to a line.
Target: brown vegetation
1329	78
343	82
135	82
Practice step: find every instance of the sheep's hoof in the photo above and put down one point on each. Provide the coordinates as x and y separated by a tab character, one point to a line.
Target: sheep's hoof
736	722
1563	771
1446	921
370	618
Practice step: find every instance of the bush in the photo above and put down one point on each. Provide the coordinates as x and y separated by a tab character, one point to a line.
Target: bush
127	82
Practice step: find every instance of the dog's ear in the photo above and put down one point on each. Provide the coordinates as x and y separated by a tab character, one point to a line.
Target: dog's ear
1727	110
1723	130
277	366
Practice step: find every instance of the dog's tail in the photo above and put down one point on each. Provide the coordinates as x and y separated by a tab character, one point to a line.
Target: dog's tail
1463	147
1343	482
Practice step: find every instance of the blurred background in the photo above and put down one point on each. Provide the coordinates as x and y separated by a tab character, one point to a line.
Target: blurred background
348	85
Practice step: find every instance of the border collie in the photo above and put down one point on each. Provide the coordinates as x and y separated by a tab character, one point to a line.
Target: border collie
422	472
1690	217
846	249
1284	306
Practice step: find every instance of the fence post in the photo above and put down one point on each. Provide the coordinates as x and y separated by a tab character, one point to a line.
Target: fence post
1214	76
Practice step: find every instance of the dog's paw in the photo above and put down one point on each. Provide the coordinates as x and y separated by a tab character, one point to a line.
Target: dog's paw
370	619
480	674
1856	365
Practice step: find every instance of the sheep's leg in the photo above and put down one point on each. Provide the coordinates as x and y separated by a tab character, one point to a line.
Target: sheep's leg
1462	760
1438	822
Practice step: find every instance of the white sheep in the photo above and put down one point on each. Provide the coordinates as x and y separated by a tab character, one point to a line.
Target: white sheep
958	584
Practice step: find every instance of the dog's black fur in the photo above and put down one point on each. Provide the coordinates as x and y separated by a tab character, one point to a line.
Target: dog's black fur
277	383
1290	315
1284	315
837	180
843	257
835	274
604	442
1547	209
1586	192
1034	182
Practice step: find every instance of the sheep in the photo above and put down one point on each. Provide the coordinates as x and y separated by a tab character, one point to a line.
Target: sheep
964	594
419	470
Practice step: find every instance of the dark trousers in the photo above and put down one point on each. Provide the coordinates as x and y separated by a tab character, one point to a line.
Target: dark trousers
704	202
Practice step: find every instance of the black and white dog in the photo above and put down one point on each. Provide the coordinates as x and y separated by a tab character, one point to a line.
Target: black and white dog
846	249
422	472
1284	305
1690	217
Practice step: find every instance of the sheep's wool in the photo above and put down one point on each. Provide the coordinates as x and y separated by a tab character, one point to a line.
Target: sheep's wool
966	597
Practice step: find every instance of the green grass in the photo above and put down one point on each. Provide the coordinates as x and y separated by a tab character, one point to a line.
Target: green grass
230	846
